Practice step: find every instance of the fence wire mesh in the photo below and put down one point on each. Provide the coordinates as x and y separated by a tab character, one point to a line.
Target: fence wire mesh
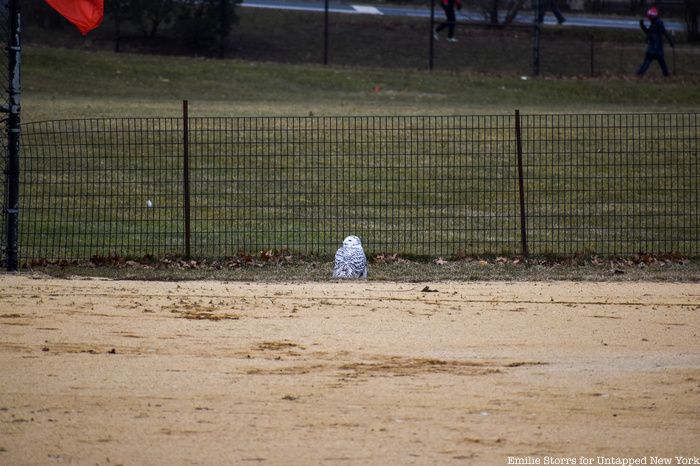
411	185
304	183
612	184
85	185
5	30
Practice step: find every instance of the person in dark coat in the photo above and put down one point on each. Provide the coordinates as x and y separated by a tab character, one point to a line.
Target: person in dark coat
449	7
655	42
545	5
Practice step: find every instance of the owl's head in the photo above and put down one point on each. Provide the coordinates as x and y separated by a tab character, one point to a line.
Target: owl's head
352	241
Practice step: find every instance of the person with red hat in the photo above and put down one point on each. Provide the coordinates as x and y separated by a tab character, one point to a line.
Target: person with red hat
449	7
655	43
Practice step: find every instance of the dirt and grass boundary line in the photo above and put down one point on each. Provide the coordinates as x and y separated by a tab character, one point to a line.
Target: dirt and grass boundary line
275	267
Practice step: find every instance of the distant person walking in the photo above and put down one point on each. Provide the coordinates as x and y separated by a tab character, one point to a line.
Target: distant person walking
655	42
449	7
545	5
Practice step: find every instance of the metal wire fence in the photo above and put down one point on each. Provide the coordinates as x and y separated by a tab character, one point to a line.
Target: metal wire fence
4	105
383	41
612	184
411	185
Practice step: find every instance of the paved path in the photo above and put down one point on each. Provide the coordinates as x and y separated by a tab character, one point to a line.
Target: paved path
383	10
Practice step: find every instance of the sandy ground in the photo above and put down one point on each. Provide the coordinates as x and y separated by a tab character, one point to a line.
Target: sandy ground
136	373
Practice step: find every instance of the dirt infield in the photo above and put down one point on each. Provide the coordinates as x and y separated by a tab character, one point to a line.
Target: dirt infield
124	372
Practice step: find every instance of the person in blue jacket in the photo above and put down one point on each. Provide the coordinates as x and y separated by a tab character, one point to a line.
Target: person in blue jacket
655	42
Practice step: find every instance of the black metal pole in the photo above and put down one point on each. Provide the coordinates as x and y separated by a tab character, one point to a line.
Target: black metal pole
432	39
536	41
117	27
13	133
673	51
592	55
325	34
186	174
521	185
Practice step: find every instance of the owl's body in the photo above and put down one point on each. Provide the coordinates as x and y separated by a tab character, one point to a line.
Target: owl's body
350	260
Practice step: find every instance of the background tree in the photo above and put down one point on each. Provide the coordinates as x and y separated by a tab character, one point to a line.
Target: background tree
149	15
203	23
490	9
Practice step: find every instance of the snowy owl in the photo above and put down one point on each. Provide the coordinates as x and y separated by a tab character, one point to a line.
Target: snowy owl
350	260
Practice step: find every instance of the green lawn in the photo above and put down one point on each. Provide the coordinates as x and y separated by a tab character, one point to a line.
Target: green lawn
378	68
64	83
76	83
419	186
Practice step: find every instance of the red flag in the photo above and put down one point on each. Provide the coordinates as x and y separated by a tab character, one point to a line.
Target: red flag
86	15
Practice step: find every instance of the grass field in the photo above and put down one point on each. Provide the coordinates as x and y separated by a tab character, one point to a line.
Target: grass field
65	83
127	85
414	186
75	83
273	68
